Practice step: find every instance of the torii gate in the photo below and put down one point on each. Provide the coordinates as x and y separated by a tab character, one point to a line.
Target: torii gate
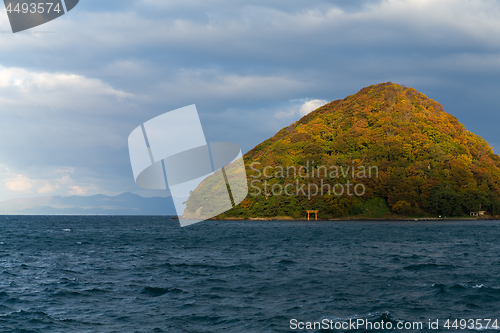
312	211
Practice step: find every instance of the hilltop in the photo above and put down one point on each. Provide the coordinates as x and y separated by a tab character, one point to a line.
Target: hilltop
422	161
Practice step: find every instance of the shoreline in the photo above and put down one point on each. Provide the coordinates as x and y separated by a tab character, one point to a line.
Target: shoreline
341	219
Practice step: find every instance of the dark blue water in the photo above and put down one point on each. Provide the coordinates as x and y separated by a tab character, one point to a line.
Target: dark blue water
146	274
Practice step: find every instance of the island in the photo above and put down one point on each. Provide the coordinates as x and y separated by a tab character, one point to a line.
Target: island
386	152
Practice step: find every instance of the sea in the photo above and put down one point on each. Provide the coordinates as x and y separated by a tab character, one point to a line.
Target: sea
146	274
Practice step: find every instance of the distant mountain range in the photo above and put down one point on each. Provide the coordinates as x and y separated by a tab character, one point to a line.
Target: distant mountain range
123	204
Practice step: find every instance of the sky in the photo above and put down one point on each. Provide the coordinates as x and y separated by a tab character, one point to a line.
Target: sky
73	89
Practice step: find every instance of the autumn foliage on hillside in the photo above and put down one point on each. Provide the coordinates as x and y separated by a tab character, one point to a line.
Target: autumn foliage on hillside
428	163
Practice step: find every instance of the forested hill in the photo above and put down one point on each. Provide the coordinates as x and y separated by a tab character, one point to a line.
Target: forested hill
424	162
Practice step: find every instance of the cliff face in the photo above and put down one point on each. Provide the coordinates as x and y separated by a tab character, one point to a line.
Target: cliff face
405	153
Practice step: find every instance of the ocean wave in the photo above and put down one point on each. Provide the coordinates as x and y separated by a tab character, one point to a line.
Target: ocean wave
157	291
417	267
66	293
286	262
96	290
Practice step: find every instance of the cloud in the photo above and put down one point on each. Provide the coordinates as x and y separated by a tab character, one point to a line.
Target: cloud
197	32
61	118
274	30
299	108
77	190
19	183
19	86
56	182
311	105
214	84
48	188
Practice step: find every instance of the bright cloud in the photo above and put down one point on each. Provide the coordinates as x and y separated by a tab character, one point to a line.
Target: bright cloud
311	105
57	182
19	86
77	190
299	108
19	183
